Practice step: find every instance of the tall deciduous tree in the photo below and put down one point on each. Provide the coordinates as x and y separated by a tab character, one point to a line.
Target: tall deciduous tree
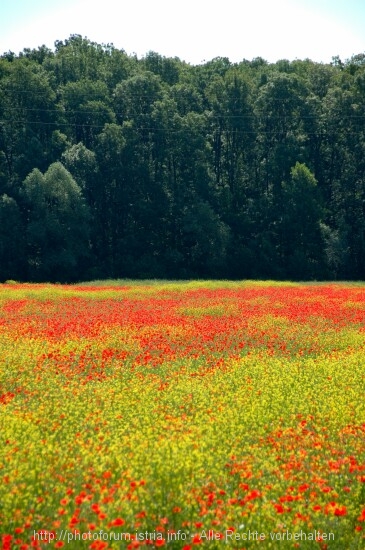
301	238
57	225
27	117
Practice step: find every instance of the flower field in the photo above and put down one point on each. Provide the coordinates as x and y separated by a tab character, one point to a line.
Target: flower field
182	414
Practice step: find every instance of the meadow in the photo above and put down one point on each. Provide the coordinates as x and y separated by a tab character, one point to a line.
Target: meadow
219	414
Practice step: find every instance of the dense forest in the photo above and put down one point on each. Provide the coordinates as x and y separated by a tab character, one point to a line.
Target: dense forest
114	166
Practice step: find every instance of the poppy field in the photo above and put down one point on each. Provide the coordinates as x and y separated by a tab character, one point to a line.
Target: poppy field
182	415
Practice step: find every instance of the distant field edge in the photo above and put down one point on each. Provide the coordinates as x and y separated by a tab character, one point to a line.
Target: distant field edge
212	283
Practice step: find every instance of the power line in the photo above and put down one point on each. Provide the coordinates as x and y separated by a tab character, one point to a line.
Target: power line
161	130
254	116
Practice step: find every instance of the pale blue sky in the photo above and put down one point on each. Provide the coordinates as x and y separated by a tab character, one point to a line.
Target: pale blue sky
194	30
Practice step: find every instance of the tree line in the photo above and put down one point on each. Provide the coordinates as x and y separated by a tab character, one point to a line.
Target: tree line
114	166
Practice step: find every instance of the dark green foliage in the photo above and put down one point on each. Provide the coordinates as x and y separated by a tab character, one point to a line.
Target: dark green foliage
300	232
12	243
112	166
57	225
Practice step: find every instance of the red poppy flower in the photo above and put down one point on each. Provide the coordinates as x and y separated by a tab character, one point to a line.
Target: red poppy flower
117	522
279	508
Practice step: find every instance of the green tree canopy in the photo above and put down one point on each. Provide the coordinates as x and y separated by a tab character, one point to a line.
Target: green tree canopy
57	224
